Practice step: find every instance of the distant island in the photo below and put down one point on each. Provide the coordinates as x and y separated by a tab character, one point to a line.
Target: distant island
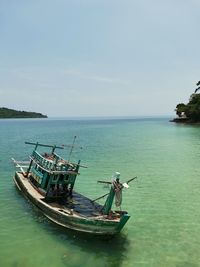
6	113
190	112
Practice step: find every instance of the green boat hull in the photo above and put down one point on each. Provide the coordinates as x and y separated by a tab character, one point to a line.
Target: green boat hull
98	225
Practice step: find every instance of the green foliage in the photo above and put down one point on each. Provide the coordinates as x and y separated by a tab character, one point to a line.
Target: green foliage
192	109
6	113
180	108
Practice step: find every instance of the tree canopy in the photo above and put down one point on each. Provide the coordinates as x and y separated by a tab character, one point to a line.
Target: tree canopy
191	110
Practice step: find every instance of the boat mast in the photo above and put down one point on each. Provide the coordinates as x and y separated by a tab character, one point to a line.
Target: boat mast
115	189
109	201
72	147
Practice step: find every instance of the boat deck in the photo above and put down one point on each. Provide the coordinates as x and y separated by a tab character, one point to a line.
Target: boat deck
77	203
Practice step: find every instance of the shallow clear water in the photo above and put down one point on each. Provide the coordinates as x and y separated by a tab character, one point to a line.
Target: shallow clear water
164	202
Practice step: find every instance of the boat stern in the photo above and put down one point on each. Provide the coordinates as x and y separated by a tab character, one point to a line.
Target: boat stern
123	220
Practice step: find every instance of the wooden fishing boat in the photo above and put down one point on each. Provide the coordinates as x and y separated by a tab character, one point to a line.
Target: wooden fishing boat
48	182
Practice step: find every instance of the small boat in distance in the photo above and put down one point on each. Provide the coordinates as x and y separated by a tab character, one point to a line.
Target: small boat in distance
48	182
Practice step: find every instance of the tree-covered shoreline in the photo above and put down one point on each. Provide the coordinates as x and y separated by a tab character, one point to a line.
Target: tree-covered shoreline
190	112
6	113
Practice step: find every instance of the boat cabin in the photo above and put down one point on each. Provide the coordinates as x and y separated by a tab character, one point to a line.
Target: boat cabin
51	175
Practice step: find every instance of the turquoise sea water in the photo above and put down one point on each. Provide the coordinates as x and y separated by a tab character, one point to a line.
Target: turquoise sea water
164	202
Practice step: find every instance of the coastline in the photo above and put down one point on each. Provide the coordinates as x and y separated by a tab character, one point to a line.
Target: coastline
185	121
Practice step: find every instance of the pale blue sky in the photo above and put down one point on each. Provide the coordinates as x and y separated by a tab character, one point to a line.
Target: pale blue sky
98	57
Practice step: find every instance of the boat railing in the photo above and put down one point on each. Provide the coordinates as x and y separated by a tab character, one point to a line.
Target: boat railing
62	164
58	164
47	164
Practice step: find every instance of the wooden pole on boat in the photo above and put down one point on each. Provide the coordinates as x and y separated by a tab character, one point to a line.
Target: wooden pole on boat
100	197
107	182
53	149
104	182
31	162
28	170
18	166
131	179
72	184
38	144
70	153
108	204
